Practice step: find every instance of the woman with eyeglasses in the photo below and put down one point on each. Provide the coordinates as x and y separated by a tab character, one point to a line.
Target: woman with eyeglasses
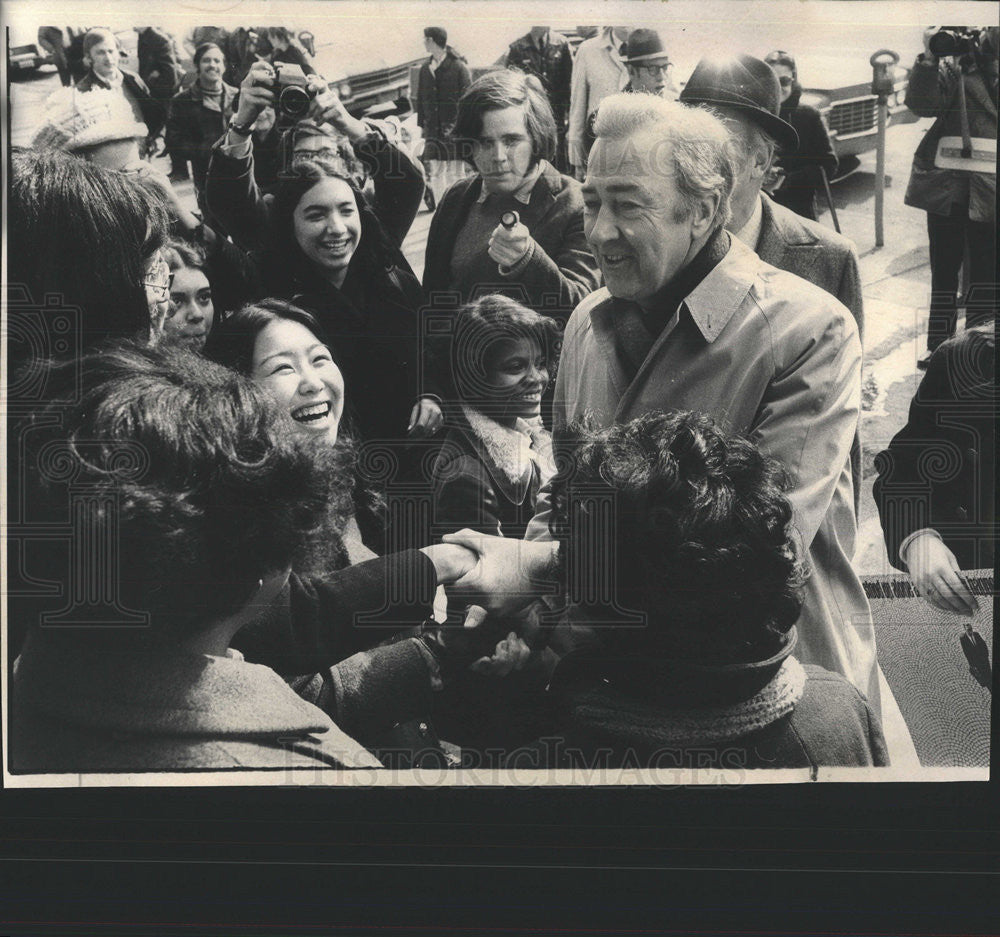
516	227
801	172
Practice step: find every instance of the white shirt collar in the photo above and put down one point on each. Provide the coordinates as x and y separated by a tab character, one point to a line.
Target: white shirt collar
523	192
749	234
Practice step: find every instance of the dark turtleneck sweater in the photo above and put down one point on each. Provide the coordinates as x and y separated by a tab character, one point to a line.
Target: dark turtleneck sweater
636	329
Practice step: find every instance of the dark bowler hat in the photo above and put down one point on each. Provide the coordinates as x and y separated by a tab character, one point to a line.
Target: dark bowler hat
745	84
644	45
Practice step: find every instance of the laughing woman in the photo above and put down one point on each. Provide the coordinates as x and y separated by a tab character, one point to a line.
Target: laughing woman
322	244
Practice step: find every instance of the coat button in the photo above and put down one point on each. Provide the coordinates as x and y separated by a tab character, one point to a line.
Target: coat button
422	729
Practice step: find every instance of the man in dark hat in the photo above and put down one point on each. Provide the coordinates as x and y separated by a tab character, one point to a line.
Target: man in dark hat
648	64
745	93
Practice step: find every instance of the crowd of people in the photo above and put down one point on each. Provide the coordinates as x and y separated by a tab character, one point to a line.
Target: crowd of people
585	495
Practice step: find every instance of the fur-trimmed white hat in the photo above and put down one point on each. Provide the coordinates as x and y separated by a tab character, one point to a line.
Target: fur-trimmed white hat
75	120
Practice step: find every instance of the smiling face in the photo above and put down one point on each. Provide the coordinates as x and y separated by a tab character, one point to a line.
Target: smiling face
191	309
637	225
298	369
516	376
104	57
210	68
327	227
502	153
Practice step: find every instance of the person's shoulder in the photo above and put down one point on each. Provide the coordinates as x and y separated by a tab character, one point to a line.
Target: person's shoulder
455	193
797	231
580	321
835	722
563	187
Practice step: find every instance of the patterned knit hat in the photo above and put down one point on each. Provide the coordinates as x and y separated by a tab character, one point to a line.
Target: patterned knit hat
76	119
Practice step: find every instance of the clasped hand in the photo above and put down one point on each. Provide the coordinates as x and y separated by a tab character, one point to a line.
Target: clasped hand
508	575
508	245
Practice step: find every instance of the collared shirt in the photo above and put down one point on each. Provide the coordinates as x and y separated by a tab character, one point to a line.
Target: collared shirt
523	192
749	234
772	357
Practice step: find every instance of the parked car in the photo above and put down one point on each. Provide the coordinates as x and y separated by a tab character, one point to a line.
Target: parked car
841	90
26	60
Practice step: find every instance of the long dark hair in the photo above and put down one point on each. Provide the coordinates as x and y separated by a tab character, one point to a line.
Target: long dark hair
286	262
232	344
83	234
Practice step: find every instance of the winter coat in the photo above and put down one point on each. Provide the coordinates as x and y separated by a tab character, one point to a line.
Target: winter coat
939	471
193	129
487	476
814	252
772	357
933	92
151	112
552	65
804	166
438	93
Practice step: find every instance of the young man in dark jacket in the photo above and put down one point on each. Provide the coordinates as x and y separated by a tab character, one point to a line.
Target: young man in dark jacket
102	55
444	77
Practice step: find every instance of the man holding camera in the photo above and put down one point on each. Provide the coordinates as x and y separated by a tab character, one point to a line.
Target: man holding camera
955	81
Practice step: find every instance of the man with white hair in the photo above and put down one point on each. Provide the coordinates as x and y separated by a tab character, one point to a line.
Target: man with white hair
691	319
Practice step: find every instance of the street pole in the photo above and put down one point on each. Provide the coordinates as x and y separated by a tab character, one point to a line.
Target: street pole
882	87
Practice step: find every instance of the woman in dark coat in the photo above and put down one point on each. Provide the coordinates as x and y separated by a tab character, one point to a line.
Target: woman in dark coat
322	244
803	169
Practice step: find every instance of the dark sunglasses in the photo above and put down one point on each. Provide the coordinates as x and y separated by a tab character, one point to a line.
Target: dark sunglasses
785	81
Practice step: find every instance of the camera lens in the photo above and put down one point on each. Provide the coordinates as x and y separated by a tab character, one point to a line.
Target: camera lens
943	43
294	102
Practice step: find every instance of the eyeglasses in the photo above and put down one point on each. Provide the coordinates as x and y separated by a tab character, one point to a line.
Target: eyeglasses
658	69
161	290
785	81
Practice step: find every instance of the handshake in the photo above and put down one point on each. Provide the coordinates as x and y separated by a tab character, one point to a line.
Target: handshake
493	578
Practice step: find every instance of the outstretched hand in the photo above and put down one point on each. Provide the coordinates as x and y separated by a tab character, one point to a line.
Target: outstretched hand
509	575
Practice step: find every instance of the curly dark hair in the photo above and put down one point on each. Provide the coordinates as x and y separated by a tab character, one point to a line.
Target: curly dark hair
465	354
497	90
701	535
211	492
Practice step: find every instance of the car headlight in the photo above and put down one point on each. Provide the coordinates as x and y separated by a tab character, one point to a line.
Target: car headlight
344	89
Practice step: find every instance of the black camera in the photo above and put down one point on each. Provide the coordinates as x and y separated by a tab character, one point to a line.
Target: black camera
292	93
954	40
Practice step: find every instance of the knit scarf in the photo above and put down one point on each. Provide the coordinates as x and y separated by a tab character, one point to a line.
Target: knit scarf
640	721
